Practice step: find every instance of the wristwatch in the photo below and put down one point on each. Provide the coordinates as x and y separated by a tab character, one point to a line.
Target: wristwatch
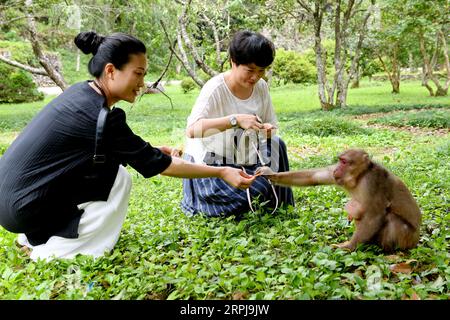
233	121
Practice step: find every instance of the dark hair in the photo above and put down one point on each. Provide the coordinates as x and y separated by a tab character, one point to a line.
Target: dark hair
251	47
115	48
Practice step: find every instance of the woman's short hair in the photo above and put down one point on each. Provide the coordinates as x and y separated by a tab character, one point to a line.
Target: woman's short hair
115	48
251	47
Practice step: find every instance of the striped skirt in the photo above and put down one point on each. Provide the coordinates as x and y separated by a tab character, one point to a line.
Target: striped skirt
214	197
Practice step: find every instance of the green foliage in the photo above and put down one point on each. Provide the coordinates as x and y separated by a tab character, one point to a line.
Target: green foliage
187	84
69	62
369	64
20	51
11	35
328	53
359	109
17	86
324	125
290	66
425	118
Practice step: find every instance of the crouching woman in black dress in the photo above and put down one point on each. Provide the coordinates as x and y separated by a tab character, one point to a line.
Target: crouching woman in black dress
61	199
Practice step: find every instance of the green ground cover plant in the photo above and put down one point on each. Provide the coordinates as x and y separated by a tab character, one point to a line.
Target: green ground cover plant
17	86
163	254
423	118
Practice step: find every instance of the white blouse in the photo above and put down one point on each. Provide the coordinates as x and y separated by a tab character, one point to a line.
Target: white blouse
215	101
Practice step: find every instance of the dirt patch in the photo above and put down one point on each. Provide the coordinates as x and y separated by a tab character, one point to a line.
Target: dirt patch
381	114
380	152
304	152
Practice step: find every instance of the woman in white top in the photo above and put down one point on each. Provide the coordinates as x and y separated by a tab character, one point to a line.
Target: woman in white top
231	122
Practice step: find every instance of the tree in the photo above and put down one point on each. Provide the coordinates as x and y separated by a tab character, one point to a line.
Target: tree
349	21
62	20
429	23
368	64
390	41
204	30
27	13
54	74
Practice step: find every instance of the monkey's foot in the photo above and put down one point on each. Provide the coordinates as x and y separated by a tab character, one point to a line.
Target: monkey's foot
344	245
23	248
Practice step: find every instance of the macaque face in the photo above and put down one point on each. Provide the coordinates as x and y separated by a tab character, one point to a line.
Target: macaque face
341	170
351	164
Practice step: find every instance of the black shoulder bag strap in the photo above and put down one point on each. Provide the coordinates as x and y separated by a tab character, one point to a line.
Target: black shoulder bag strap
99	152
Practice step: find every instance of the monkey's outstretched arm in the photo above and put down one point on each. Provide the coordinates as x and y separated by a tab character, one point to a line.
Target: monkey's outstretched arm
312	177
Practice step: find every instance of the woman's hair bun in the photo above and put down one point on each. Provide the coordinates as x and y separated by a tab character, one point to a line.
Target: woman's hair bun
88	42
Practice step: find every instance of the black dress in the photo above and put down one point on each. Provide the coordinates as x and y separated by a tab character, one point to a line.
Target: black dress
48	170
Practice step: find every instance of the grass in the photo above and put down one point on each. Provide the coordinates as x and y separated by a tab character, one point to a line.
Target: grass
162	254
371	96
423	118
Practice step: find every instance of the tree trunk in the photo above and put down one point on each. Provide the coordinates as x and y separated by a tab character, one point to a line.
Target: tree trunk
447	61
183	58
342	97
395	72
77	67
440	91
51	71
425	81
339	87
396	86
338	64
411	67
269	77
355	84
216	39
394	76
356	78
341	48
325	102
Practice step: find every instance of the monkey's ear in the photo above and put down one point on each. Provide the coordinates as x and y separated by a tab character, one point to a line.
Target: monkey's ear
366	158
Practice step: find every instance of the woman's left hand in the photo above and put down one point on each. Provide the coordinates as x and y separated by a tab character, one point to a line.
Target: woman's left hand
171	151
269	129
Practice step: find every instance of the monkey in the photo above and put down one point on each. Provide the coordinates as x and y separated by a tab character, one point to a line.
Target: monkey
383	209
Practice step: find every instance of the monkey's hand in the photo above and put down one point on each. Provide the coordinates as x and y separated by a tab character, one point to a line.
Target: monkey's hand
354	210
344	245
264	171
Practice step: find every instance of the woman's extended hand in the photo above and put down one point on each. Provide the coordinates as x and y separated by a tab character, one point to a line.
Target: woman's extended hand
171	151
237	178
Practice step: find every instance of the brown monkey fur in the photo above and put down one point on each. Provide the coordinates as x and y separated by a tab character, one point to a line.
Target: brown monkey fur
383	208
